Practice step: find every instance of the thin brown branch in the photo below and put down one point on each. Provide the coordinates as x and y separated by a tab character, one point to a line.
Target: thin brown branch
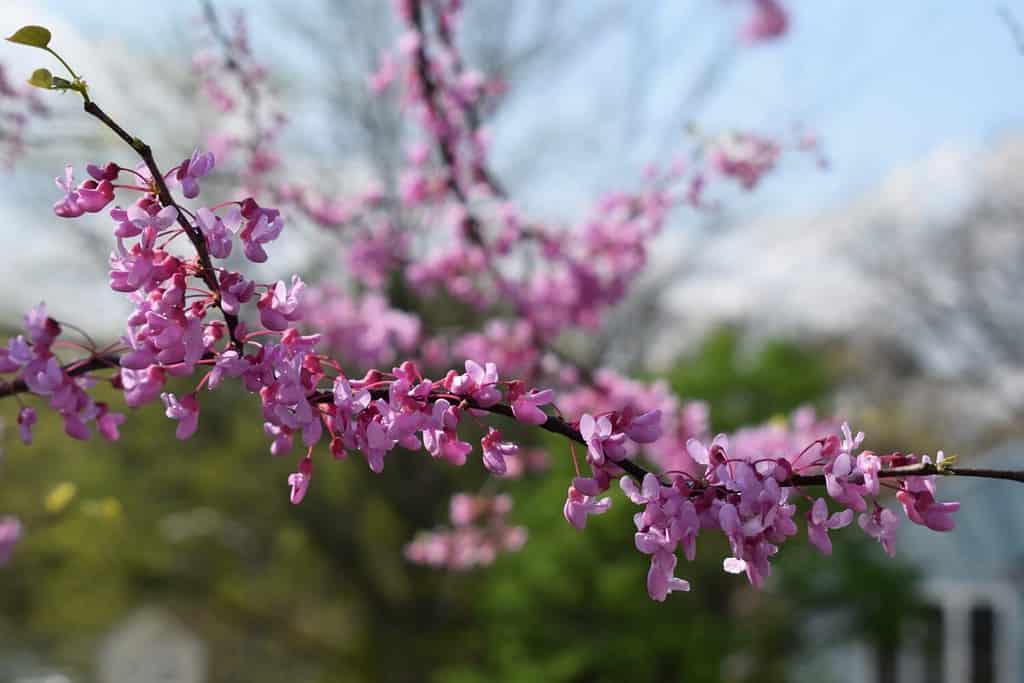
1013	25
444	147
233	61
918	470
557	425
75	369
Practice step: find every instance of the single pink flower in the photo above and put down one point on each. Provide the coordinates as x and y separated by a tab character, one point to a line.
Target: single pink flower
299	481
10	532
185	410
26	418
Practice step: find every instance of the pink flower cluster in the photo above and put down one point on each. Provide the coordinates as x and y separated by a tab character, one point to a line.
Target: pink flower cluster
611	392
745	494
744	157
88	197
479	533
415	413
33	361
365	331
608	437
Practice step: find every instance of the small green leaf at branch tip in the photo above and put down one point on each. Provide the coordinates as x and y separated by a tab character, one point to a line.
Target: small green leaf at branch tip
41	78
33	36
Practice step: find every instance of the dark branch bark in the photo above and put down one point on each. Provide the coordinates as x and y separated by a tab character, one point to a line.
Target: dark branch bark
915	471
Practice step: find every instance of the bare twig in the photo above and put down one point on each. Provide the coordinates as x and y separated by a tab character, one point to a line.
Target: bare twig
1013	25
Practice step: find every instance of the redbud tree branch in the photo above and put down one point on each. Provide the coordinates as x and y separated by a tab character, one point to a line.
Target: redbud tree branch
206	269
75	369
918	470
557	425
444	146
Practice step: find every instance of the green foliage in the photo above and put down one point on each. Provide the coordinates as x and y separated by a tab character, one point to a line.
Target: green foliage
749	388
33	36
41	78
315	592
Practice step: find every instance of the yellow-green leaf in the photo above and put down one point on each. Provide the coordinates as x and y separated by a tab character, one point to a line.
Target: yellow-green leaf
36	36
41	78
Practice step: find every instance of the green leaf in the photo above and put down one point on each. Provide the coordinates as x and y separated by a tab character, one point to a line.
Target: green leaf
41	78
35	36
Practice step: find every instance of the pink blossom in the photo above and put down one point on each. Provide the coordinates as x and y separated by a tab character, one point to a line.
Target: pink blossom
601	439
282	438
526	404
68	206
142	386
299	481
376	445
235	290
26	419
464	509
364	330
645	428
648	492
93	197
768	22
228	364
218	239
17	354
349	401
108	172
384	75
107	423
744	157
185	410
280	305
921	508
190	170
147	214
881	525
582	501
42	329
44	376
478	382
261	227
10	533
661	579
819	523
495	451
